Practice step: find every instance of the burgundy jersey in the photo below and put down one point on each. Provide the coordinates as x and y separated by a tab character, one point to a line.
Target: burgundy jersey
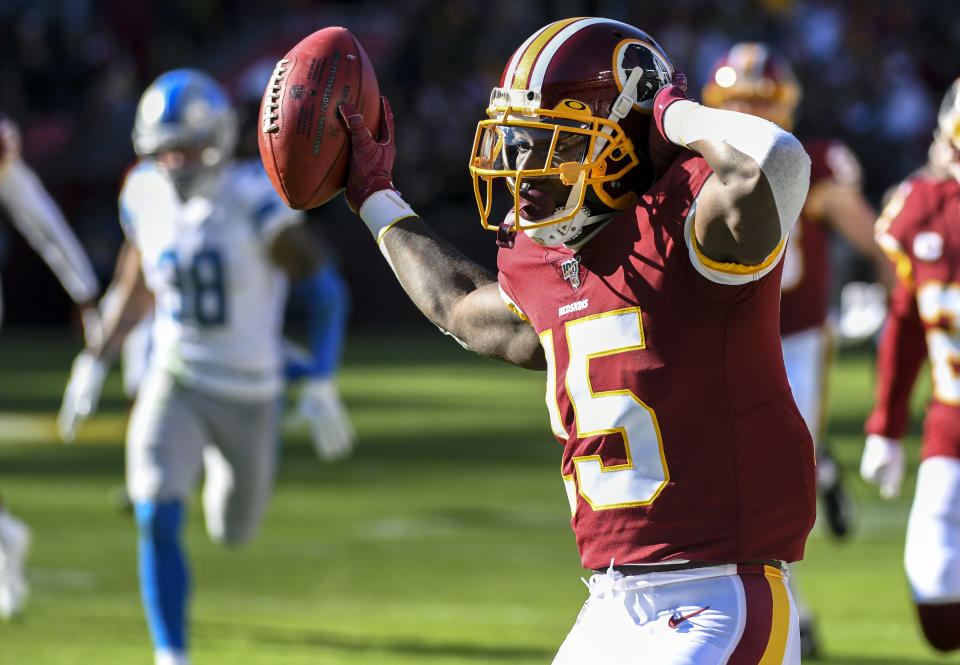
918	229
666	386
806	265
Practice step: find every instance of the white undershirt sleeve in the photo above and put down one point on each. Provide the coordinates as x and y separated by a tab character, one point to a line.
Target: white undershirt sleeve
780	155
39	219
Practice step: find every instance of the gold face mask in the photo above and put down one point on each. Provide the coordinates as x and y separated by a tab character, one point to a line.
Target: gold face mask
560	151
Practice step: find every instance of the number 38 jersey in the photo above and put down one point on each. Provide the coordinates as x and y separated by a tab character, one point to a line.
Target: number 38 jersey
666	386
918	230
219	297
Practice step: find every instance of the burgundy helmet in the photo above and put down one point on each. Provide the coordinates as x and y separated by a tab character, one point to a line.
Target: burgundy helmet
754	73
568	126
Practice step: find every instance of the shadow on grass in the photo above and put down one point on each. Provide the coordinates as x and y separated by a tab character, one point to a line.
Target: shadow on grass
881	660
274	635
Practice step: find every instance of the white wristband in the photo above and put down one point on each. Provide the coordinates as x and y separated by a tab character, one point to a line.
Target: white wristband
382	210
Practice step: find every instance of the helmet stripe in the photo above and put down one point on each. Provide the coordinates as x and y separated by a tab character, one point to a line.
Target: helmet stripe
521	66
553	45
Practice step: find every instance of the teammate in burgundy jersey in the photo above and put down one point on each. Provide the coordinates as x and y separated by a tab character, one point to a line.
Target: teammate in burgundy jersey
639	266
918	230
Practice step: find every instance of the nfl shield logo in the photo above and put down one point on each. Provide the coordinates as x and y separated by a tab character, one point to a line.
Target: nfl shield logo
296	91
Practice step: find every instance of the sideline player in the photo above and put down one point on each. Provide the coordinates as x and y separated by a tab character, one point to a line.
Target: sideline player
210	249
918	231
753	78
644	278
38	218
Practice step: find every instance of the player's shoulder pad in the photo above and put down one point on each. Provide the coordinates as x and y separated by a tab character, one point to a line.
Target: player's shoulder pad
914	206
253	191
832	159
142	174
139	191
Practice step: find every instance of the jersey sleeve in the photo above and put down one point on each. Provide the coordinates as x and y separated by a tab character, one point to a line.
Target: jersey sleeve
900	355
509	299
733	274
896	227
267	211
139	190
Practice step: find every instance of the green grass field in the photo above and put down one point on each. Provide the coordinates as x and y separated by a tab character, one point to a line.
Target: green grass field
444	539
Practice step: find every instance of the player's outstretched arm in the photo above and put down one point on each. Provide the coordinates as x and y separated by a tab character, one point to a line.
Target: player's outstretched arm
456	294
126	301
900	356
316	284
760	175
41	222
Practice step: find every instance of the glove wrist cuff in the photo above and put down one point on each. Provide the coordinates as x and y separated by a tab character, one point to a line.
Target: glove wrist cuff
382	210
879	439
673	116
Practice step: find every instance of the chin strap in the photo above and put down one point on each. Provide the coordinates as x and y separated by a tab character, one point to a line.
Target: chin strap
506	235
621	107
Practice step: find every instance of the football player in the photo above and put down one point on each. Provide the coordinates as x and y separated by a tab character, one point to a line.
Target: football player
210	250
753	78
639	268
917	230
36	215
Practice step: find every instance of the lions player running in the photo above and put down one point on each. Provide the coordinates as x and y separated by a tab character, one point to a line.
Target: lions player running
918	231
640	267
210	248
35	214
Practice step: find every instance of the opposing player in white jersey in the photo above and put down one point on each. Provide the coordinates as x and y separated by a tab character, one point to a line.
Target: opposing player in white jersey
210	250
31	209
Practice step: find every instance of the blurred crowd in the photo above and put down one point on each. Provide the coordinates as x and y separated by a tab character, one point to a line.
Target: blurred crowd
71	72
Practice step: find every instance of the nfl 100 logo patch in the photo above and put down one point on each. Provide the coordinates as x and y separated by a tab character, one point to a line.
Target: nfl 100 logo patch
570	272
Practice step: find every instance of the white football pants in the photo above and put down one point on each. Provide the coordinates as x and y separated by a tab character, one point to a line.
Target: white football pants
716	615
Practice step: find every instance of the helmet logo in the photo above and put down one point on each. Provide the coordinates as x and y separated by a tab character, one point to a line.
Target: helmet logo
657	69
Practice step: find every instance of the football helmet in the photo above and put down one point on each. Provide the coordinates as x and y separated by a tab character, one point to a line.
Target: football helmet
948	128
186	110
567	128
752	73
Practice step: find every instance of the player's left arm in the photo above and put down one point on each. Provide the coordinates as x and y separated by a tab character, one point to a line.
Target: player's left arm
318	285
760	178
839	202
126	301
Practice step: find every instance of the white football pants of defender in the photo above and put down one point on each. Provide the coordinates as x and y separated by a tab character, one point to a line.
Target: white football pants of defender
932	557
713	615
176	431
805	357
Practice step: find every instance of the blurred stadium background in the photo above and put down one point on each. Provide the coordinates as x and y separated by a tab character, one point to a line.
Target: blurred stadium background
71	71
444	540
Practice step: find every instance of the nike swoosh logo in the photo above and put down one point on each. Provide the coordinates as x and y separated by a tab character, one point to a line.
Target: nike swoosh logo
678	618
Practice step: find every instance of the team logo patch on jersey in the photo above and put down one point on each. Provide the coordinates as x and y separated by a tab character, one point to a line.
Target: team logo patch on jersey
570	272
928	246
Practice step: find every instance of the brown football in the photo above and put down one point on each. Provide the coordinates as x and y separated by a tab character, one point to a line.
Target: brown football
304	144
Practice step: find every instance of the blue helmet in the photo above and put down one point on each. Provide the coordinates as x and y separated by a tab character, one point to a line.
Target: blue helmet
185	108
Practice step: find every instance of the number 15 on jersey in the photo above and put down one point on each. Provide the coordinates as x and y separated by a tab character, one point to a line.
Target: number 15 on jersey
598	413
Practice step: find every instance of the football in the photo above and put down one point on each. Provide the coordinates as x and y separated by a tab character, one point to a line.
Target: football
304	144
